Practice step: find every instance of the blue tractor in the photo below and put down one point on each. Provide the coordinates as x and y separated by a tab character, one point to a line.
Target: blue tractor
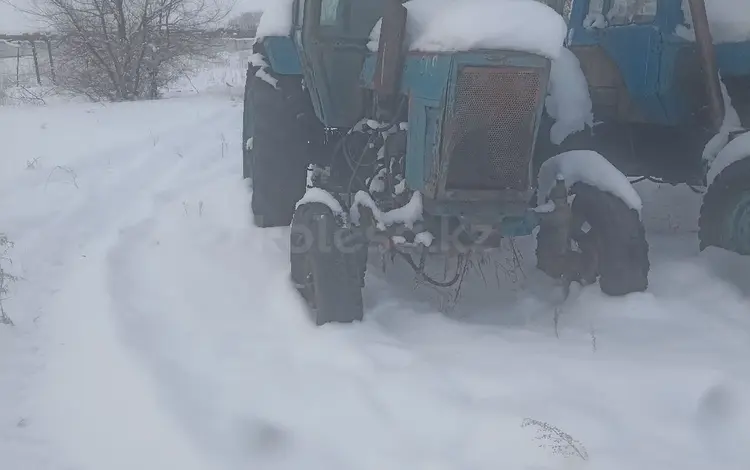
422	152
672	100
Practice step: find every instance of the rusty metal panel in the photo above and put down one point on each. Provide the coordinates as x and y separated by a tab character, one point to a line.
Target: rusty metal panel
489	136
390	52
609	93
708	58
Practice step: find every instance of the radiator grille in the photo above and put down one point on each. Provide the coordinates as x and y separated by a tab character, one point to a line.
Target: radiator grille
491	130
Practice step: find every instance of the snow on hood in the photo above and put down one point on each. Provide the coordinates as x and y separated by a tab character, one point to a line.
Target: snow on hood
276	20
460	25
729	19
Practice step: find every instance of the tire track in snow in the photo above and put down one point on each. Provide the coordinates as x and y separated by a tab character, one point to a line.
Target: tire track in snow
213	361
199	350
52	243
97	209
472	376
141	327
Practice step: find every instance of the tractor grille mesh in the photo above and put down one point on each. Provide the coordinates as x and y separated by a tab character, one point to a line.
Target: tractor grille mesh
491	130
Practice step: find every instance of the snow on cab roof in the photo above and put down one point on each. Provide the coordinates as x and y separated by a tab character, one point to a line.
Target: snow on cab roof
276	20
457	25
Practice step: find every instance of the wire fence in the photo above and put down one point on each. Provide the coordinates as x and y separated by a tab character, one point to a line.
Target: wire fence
26	63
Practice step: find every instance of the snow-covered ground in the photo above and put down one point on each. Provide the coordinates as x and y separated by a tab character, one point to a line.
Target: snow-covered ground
155	327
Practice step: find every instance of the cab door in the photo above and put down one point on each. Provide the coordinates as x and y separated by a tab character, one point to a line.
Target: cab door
629	32
331	37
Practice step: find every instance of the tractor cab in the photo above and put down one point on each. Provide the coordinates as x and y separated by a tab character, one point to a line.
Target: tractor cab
331	37
642	63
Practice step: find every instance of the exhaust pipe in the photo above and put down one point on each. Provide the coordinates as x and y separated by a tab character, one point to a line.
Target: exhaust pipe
705	44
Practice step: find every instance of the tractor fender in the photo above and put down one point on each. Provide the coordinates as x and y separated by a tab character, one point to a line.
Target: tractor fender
282	55
736	150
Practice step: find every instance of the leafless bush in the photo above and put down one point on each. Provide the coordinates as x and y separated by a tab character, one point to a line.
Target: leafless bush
25	95
122	50
246	22
71	173
3	86
6	279
557	440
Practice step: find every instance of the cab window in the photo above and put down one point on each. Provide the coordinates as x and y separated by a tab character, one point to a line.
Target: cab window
329	12
625	12
349	19
596	7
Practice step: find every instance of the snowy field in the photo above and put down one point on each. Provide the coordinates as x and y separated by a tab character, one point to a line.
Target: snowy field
155	327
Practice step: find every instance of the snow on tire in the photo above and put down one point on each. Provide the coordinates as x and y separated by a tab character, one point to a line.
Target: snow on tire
605	217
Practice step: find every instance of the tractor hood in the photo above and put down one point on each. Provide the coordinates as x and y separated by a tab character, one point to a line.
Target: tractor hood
476	73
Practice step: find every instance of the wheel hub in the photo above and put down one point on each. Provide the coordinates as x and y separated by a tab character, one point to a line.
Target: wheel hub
308	291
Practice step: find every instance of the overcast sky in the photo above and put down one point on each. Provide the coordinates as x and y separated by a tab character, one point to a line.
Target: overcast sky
14	22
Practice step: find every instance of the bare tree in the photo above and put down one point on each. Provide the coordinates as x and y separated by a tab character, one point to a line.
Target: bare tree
246	22
6	279
127	49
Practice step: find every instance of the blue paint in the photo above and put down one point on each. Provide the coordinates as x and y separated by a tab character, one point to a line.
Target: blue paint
676	107
426	76
509	221
429	80
423	142
636	49
282	55
733	59
368	71
514	226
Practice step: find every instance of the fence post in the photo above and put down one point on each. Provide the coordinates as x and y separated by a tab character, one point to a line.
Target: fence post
36	62
18	66
51	62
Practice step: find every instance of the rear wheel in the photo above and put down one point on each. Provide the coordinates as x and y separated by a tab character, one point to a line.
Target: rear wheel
247	125
725	213
326	269
277	110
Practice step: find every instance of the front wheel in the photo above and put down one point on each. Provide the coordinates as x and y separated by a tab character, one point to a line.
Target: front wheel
326	269
725	213
607	241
